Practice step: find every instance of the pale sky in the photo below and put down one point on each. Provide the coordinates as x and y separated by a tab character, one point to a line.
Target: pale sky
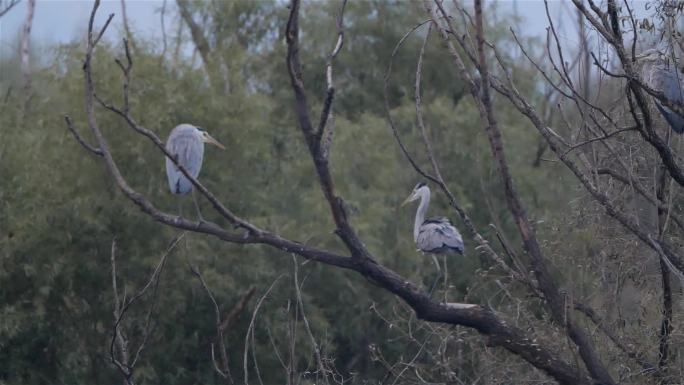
63	21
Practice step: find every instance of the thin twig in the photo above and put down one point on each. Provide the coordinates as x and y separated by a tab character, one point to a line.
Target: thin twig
8	7
321	369
326	125
251	326
81	141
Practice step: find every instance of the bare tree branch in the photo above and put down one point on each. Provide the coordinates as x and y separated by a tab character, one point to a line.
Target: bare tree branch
252	325
313	138
163	30
127	28
617	340
81	141
321	370
7	7
660	205
119	342
122	344
326	126
201	43
221	326
25	43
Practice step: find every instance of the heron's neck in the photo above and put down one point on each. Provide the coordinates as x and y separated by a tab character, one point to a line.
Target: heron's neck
420	213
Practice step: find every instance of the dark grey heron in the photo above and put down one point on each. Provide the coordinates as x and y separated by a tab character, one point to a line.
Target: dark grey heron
186	143
433	235
662	76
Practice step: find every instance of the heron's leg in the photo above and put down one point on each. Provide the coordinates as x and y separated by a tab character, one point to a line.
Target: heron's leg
439	274
180	207
434	260
194	199
445	274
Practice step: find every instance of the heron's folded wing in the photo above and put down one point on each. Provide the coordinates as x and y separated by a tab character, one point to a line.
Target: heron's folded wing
675	120
664	78
452	237
435	235
189	152
671	85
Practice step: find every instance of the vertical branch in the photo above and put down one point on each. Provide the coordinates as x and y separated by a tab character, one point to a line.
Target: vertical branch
584	75
163	30
666	322
327	124
225	371
312	136
122	361
119	341
178	42
321	369
25	47
419	108
222	325
127	29
200	40
251	327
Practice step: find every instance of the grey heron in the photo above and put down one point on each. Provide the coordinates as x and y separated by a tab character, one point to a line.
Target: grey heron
662	76
186	143
433	235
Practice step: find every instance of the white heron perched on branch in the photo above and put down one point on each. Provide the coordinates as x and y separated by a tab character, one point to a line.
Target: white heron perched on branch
433	235
662	76
186	143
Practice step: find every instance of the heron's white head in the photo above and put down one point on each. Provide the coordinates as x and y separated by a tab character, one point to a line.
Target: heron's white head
420	190
206	138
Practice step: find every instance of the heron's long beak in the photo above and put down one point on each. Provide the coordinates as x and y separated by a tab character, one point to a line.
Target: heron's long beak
407	200
213	141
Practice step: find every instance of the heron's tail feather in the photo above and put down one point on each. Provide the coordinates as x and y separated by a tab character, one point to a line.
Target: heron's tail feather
675	120
180	185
